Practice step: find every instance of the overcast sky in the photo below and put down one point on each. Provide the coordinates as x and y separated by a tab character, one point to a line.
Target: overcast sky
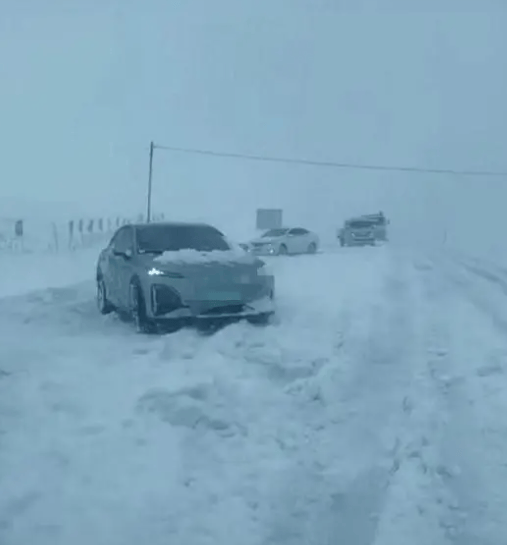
85	86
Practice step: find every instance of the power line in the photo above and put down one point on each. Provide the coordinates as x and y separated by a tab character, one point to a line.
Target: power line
332	164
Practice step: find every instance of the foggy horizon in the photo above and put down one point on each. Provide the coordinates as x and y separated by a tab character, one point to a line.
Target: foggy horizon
86	89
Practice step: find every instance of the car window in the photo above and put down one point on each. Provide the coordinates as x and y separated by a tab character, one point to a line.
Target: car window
298	231
171	238
376	219
274	233
123	240
361	224
115	237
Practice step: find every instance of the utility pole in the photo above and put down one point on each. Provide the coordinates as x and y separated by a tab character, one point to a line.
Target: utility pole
150	173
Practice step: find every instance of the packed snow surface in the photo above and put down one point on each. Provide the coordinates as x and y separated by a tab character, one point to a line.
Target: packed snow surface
370	413
24	272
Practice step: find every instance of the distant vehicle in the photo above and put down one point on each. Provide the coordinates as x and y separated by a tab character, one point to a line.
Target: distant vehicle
175	274
380	222
357	232
286	240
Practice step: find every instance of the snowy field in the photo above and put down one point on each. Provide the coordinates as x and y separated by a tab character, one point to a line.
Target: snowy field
25	272
370	413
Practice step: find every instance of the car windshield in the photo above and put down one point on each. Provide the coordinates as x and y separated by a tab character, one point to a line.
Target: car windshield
377	220
171	238
360	224
275	233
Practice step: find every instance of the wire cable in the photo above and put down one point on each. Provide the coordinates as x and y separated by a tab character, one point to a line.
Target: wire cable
332	164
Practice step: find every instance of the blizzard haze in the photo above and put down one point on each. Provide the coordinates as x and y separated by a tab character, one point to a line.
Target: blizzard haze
369	408
85	88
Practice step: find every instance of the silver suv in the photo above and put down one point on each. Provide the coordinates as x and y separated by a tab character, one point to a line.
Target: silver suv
180	273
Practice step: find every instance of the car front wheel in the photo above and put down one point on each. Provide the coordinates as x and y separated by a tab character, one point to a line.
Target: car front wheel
262	319
138	311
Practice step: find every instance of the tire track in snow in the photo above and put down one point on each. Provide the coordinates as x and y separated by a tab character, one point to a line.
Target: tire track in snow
376	474
474	388
329	490
461	498
494	275
444	426
473	283
415	501
361	475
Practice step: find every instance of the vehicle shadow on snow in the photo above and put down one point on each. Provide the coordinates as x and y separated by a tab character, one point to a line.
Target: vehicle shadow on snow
202	327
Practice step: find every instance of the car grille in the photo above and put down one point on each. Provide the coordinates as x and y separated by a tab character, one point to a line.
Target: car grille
245	291
226	309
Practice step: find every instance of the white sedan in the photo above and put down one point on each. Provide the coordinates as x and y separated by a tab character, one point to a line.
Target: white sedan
295	240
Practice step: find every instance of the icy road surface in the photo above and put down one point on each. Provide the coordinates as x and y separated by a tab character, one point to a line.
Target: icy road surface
373	413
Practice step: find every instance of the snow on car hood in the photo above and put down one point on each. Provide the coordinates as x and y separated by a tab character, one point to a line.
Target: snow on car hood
197	257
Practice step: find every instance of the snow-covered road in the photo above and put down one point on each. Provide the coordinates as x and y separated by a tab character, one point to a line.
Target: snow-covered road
370	414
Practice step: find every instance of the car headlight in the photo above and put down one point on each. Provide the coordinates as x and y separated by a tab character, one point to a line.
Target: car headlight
167	274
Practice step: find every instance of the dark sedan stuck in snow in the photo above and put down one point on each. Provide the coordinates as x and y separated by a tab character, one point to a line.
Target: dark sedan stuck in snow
175	274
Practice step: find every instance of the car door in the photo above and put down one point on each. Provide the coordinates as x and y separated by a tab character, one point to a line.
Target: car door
124	252
297	240
108	266
291	240
120	267
305	238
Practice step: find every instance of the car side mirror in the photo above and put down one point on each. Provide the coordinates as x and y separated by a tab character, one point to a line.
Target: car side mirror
127	254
